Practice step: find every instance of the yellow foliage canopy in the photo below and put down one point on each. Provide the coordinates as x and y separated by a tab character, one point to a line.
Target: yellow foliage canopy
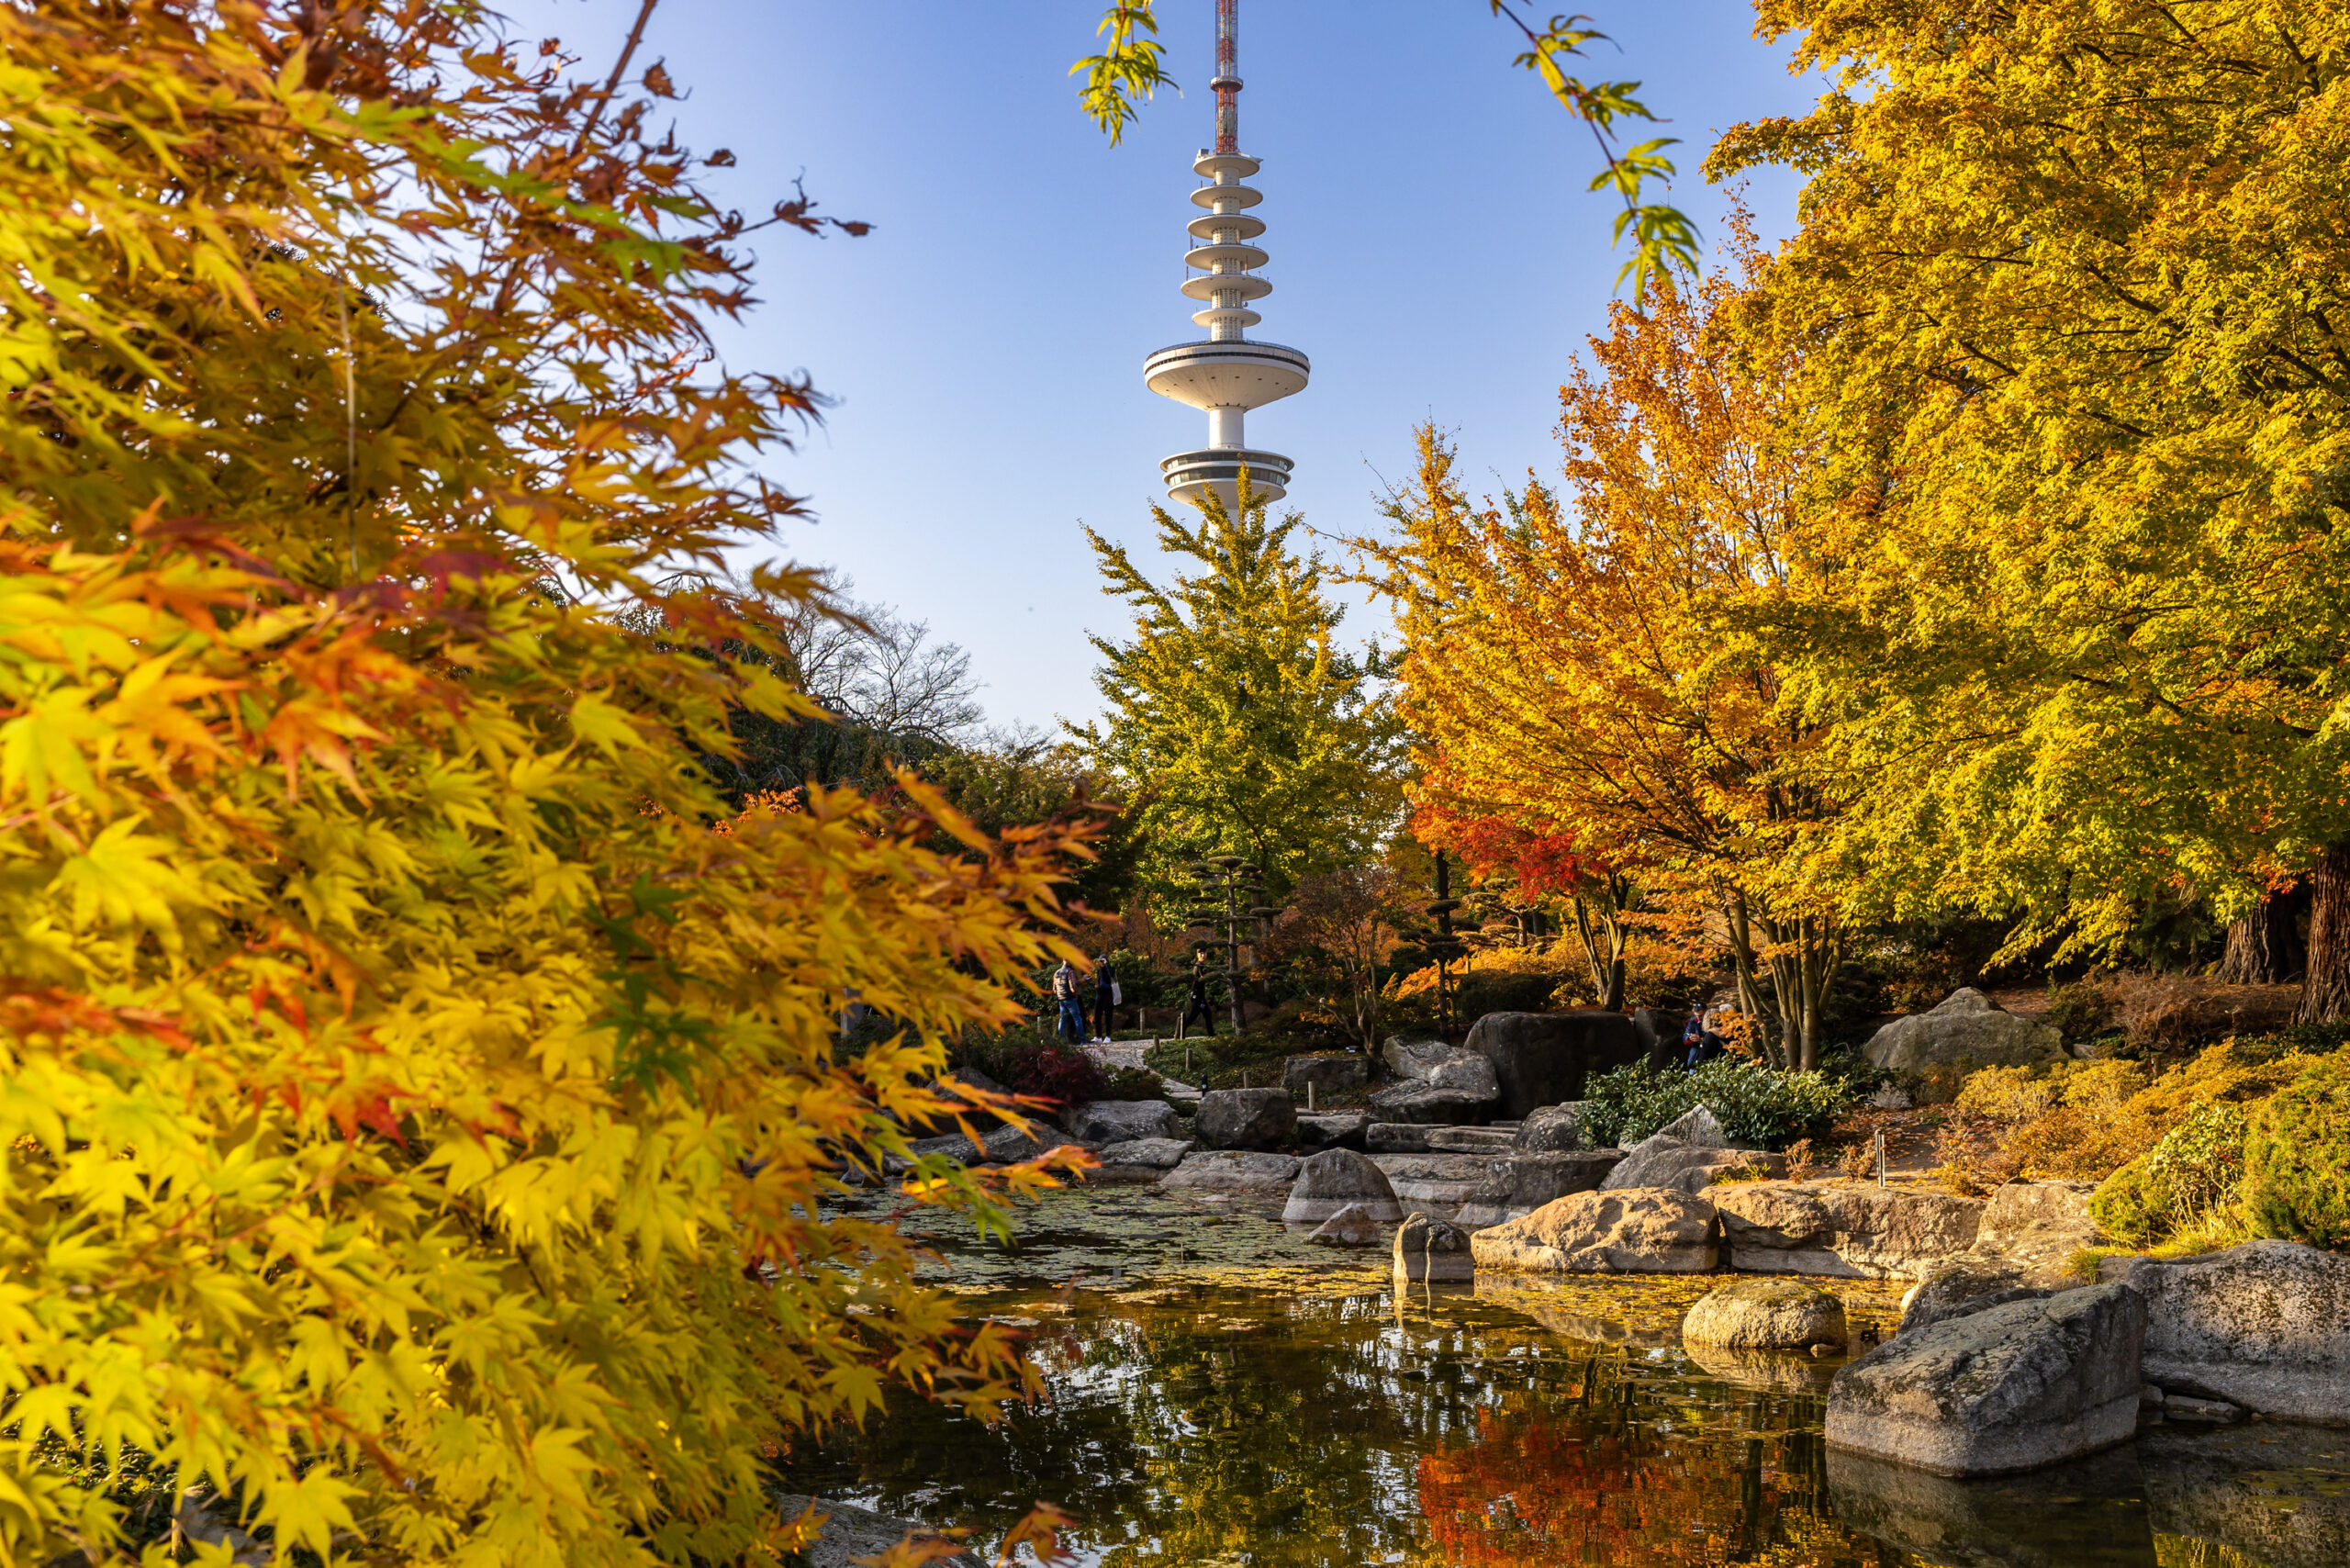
416	1119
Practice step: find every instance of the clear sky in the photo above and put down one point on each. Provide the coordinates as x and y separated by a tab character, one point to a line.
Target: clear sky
1433	249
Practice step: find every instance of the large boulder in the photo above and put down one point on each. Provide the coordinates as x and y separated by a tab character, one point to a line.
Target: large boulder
1409	1061
1245	1118
1331	1129
1543	1058
1697	1127
1148	1153
1967	1028
1553	1129
1432	1181
1458	1089
2266	1325
1427	1249
1767	1314
1515	1184
1121	1121
1338	1179
2008	1389
1851	1232
1659	1031
1324	1073
1969	1281
1234	1170
1655	1230
850	1534
1666	1161
2039	1227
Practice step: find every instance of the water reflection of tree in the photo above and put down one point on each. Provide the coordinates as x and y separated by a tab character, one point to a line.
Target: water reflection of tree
1225	1427
1615	1469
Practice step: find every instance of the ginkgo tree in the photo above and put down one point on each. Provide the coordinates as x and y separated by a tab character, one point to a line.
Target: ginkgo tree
420	1122
1239	722
2070	285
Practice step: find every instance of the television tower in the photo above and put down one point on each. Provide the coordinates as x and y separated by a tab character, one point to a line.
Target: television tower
1226	373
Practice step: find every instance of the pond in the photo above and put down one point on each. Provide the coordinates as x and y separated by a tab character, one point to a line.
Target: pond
1220	1393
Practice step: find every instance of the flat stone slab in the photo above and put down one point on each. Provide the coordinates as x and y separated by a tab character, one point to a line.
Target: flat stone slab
1470	1141
1447	1181
1235	1171
1154	1153
1396	1137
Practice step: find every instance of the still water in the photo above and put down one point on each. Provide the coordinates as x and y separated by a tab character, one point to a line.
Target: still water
1220	1394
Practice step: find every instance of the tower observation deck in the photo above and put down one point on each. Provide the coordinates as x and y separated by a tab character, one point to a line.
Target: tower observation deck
1227	373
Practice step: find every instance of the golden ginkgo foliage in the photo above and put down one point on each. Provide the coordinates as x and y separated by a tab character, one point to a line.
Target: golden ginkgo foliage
419	1125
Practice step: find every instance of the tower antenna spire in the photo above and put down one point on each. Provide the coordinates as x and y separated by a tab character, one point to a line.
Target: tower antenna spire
1227	373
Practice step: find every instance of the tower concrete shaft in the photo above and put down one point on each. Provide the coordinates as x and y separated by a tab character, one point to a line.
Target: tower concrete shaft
1227	373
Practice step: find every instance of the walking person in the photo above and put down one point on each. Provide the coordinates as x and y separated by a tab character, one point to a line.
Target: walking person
1107	999
1198	1002
1065	991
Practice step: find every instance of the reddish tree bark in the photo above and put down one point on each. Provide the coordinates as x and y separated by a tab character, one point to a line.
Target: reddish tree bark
2264	945
2326	984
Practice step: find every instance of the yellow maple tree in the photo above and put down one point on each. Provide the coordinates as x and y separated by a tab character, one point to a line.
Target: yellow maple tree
424	1134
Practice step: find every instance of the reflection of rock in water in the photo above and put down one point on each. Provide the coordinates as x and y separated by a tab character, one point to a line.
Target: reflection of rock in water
1529	1297
1788	1371
2223	1487
2088	1511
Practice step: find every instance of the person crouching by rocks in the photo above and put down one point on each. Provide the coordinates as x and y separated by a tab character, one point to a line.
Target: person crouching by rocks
1065	991
1107	1002
1705	1036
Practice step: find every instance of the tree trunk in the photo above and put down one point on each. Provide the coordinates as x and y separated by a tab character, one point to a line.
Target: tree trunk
2265	944
1614	1001
2325	981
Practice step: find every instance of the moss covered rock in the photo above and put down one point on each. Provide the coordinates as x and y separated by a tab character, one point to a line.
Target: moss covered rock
2296	1156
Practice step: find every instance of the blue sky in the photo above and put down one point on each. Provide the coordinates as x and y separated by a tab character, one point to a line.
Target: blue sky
1433	249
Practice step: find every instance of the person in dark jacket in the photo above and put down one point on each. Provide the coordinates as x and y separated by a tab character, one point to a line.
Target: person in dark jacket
1704	1038
1105	1001
1198	1002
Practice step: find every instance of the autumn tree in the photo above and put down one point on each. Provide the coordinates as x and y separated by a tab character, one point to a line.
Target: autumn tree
2070	284
419	1120
1239	724
1343	925
1568	666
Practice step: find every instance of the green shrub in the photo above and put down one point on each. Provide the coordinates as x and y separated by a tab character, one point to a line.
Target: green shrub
2297	1156
1757	1107
2082	1010
2194	1171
